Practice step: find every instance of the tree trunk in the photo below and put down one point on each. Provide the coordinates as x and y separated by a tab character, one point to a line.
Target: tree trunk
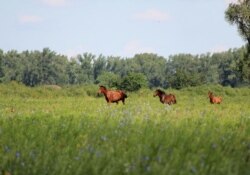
248	45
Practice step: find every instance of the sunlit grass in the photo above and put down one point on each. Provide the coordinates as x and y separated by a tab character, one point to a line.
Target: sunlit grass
59	132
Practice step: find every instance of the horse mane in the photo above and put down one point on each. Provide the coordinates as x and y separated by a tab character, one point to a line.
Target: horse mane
122	91
101	86
160	91
210	94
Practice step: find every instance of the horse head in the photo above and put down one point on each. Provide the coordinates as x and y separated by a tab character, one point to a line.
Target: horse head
210	94
102	89
158	92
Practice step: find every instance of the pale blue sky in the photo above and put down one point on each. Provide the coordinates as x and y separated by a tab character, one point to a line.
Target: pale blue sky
117	27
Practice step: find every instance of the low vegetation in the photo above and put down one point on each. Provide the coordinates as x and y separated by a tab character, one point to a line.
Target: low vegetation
70	130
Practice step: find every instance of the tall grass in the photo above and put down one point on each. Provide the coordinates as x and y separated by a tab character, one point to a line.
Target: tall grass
61	131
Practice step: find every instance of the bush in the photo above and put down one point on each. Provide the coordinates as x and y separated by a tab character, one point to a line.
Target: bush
133	82
109	79
91	90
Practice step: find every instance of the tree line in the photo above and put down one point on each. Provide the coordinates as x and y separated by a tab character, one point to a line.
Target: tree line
231	67
34	68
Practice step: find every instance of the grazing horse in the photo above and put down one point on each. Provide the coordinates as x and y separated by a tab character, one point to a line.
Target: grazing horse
213	99
165	98
112	96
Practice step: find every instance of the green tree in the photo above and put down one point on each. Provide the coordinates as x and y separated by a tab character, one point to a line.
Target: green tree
46	71
208	69
52	67
109	79
30	74
1	65
99	66
184	70
12	66
86	62
73	71
134	81
239	14
117	65
151	65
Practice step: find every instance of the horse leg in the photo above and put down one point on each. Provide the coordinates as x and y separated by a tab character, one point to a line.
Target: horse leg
117	102
107	100
123	101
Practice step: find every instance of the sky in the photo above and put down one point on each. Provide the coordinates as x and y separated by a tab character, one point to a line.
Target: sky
117	27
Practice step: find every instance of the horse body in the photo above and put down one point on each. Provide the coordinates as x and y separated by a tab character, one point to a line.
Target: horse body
213	99
113	96
165	98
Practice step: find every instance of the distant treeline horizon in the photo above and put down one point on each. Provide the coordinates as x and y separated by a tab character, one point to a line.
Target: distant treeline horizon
177	71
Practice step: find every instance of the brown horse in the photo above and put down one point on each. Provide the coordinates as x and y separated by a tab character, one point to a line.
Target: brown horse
165	98
112	96
213	99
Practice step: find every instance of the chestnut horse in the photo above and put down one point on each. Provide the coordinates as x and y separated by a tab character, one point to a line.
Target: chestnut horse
112	96
165	98
213	99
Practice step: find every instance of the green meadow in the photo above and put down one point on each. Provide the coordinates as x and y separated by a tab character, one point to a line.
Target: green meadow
50	130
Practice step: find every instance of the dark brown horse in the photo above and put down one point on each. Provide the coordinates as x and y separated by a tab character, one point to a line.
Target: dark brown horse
165	98
112	96
213	99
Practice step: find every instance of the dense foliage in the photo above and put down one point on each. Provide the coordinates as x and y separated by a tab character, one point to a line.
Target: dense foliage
177	71
239	14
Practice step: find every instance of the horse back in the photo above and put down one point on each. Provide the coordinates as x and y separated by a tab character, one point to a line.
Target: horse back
123	94
116	95
173	98
169	99
216	100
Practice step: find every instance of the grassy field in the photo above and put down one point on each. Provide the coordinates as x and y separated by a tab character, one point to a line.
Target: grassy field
70	131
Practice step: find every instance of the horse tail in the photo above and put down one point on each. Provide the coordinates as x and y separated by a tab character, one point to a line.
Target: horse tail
220	99
174	99
125	95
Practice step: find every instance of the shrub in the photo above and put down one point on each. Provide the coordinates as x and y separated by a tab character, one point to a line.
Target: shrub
133	82
109	79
